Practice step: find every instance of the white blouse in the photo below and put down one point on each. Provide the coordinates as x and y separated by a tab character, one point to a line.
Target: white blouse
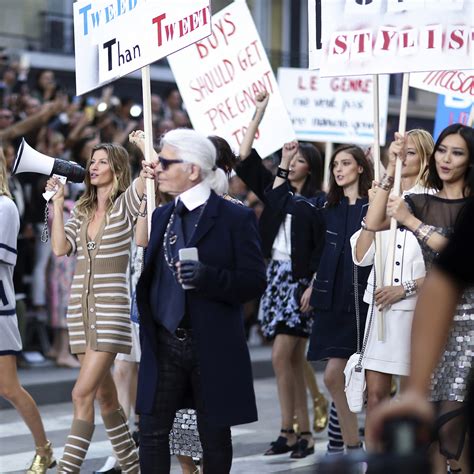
408	262
281	249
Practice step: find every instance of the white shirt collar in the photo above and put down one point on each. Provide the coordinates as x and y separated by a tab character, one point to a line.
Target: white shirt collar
195	196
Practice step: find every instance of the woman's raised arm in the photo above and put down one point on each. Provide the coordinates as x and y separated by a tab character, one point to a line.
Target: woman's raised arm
261	102
376	218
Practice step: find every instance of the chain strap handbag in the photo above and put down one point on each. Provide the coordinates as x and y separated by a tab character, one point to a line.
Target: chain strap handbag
354	373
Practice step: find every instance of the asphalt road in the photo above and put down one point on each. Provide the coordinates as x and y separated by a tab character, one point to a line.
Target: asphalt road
250	441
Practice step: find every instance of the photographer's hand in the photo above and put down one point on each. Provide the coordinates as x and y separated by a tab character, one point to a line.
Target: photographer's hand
411	404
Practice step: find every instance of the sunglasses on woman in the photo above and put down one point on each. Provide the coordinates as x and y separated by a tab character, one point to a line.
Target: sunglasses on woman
166	163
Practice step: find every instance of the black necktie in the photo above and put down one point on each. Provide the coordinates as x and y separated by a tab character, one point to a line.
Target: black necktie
180	209
182	214
176	237
174	305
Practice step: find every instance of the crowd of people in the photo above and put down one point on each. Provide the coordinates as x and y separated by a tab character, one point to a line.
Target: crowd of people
61	126
232	240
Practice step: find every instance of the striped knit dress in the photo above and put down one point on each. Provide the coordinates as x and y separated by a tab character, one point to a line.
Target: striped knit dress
98	314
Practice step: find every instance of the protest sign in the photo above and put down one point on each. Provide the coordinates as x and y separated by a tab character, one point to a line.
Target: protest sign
337	109
116	37
455	83
390	36
450	110
219	77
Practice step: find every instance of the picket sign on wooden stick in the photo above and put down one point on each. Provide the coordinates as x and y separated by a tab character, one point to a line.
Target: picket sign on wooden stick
378	237
147	125
397	181
328	151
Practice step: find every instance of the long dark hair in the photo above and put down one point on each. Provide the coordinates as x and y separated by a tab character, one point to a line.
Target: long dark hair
432	178
314	180
336	193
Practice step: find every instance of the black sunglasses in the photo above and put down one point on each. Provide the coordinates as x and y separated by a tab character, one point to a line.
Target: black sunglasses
165	163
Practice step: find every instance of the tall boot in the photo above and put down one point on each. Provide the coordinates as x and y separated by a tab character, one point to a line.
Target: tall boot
320	404
122	442
76	446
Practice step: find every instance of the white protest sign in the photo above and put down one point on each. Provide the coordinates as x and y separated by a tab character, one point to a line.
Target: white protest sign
337	109
116	37
391	36
455	83
219	77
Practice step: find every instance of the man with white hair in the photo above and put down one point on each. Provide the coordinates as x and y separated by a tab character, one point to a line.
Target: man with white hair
194	352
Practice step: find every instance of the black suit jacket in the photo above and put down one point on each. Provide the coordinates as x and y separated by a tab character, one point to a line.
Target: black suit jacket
228	243
306	234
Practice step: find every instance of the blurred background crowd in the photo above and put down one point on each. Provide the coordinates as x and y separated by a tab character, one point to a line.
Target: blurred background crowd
58	124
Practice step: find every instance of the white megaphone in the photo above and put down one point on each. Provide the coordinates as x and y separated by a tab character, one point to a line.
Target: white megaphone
28	160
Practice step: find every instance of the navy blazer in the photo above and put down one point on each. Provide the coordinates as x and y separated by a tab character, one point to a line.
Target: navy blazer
306	236
228	243
337	241
307	233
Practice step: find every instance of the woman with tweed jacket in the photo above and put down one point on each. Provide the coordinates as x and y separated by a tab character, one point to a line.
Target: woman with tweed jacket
99	233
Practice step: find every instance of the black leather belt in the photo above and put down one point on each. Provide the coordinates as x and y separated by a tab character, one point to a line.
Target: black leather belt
183	333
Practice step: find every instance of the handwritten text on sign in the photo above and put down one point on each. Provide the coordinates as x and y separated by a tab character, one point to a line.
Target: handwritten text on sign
114	38
455	83
219	77
388	36
338	109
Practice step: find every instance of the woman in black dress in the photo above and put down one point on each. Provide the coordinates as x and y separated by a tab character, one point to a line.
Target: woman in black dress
334	333
431	218
290	240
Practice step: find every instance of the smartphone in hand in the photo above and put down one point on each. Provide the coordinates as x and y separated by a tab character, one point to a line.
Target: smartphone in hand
190	253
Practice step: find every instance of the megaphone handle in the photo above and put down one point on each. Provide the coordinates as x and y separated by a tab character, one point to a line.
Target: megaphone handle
49	194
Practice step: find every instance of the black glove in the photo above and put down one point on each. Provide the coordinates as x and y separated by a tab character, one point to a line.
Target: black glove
192	272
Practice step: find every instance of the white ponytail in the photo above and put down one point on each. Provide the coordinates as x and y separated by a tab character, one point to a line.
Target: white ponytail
193	147
218	181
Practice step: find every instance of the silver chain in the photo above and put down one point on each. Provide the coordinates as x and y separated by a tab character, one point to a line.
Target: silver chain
360	351
45	230
170	261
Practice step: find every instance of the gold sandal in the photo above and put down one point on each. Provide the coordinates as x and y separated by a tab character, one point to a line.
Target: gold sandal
320	413
41	464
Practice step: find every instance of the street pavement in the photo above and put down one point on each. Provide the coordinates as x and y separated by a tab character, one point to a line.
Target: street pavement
250	441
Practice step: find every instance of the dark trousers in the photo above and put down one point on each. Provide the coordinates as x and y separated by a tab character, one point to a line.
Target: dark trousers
179	374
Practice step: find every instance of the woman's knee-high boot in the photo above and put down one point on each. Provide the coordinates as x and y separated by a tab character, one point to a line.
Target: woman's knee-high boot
76	447
122	442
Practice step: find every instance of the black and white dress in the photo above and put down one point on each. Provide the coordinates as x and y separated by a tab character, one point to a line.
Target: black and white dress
449	381
280	305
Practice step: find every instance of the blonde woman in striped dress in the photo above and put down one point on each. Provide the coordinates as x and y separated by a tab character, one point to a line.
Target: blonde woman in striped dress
98	317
